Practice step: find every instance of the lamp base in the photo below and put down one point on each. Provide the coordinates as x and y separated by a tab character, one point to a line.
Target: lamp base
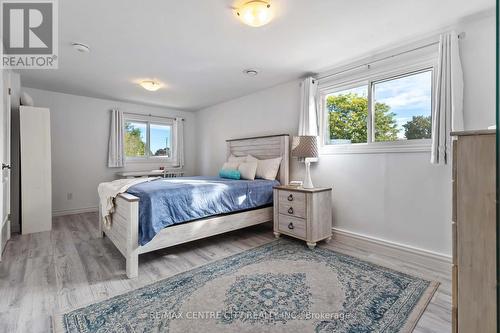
307	178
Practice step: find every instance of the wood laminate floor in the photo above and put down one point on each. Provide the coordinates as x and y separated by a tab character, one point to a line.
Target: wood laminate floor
70	266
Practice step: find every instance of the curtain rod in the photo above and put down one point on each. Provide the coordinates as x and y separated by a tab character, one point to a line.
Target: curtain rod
150	115
460	36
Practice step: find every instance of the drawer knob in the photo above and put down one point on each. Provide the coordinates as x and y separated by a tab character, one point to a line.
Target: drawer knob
290	197
290	226
290	210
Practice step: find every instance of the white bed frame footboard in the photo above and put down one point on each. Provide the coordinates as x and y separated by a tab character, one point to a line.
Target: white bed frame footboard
124	230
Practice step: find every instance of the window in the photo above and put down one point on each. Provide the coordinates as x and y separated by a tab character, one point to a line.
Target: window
382	109
348	115
403	107
161	140
135	139
146	139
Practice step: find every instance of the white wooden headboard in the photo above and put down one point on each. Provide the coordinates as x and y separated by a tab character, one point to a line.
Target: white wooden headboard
264	147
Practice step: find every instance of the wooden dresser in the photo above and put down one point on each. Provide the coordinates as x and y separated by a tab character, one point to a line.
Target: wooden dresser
303	213
474	301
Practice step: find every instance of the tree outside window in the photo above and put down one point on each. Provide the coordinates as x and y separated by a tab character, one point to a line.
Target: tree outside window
145	139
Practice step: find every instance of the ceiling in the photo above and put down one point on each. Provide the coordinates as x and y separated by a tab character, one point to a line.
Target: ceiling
198	48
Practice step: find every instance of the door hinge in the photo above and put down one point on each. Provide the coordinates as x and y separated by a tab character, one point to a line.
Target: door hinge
8	217
10	91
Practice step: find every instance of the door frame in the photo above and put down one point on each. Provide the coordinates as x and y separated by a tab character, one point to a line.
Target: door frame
5	230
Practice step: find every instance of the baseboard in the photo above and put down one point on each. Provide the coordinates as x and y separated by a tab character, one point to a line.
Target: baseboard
74	211
401	249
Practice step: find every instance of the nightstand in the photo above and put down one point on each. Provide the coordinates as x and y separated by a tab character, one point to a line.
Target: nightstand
303	213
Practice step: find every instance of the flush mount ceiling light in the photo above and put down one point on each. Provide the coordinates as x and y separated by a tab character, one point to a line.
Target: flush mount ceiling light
250	72
255	13
80	47
150	85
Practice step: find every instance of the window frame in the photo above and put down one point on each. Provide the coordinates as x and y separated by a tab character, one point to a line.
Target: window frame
369	80
148	120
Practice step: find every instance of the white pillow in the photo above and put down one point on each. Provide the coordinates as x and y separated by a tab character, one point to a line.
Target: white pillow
248	170
233	162
266	169
231	165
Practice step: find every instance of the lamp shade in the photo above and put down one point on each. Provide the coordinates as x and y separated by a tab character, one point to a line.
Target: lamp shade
305	146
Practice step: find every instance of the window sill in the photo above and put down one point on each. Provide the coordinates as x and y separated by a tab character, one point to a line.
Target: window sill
419	146
160	160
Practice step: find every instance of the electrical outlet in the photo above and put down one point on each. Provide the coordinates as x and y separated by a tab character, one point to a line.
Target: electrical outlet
69	196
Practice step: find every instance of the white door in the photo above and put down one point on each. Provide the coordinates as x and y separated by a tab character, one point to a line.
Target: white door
5	160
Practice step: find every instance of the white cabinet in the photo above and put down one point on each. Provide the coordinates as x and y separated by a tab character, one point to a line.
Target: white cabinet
36	174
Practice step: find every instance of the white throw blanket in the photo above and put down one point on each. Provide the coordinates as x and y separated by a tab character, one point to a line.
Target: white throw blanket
108	192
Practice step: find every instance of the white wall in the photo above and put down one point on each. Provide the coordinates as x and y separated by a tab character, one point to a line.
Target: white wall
270	111
80	133
478	51
398	197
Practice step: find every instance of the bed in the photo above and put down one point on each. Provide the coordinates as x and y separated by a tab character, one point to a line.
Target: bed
138	209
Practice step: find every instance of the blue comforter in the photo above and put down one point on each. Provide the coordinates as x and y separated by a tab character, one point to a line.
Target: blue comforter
166	202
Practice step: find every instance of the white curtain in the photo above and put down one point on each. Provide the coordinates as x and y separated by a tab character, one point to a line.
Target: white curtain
179	142
448	99
308	121
116	158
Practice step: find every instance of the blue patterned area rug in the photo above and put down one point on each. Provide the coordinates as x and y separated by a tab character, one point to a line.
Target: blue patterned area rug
278	287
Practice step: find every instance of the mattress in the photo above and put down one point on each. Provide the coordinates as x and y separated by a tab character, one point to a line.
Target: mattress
166	202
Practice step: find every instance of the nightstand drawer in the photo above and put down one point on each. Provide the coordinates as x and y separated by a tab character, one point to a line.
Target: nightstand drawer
292	203
292	197
292	225
297	209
